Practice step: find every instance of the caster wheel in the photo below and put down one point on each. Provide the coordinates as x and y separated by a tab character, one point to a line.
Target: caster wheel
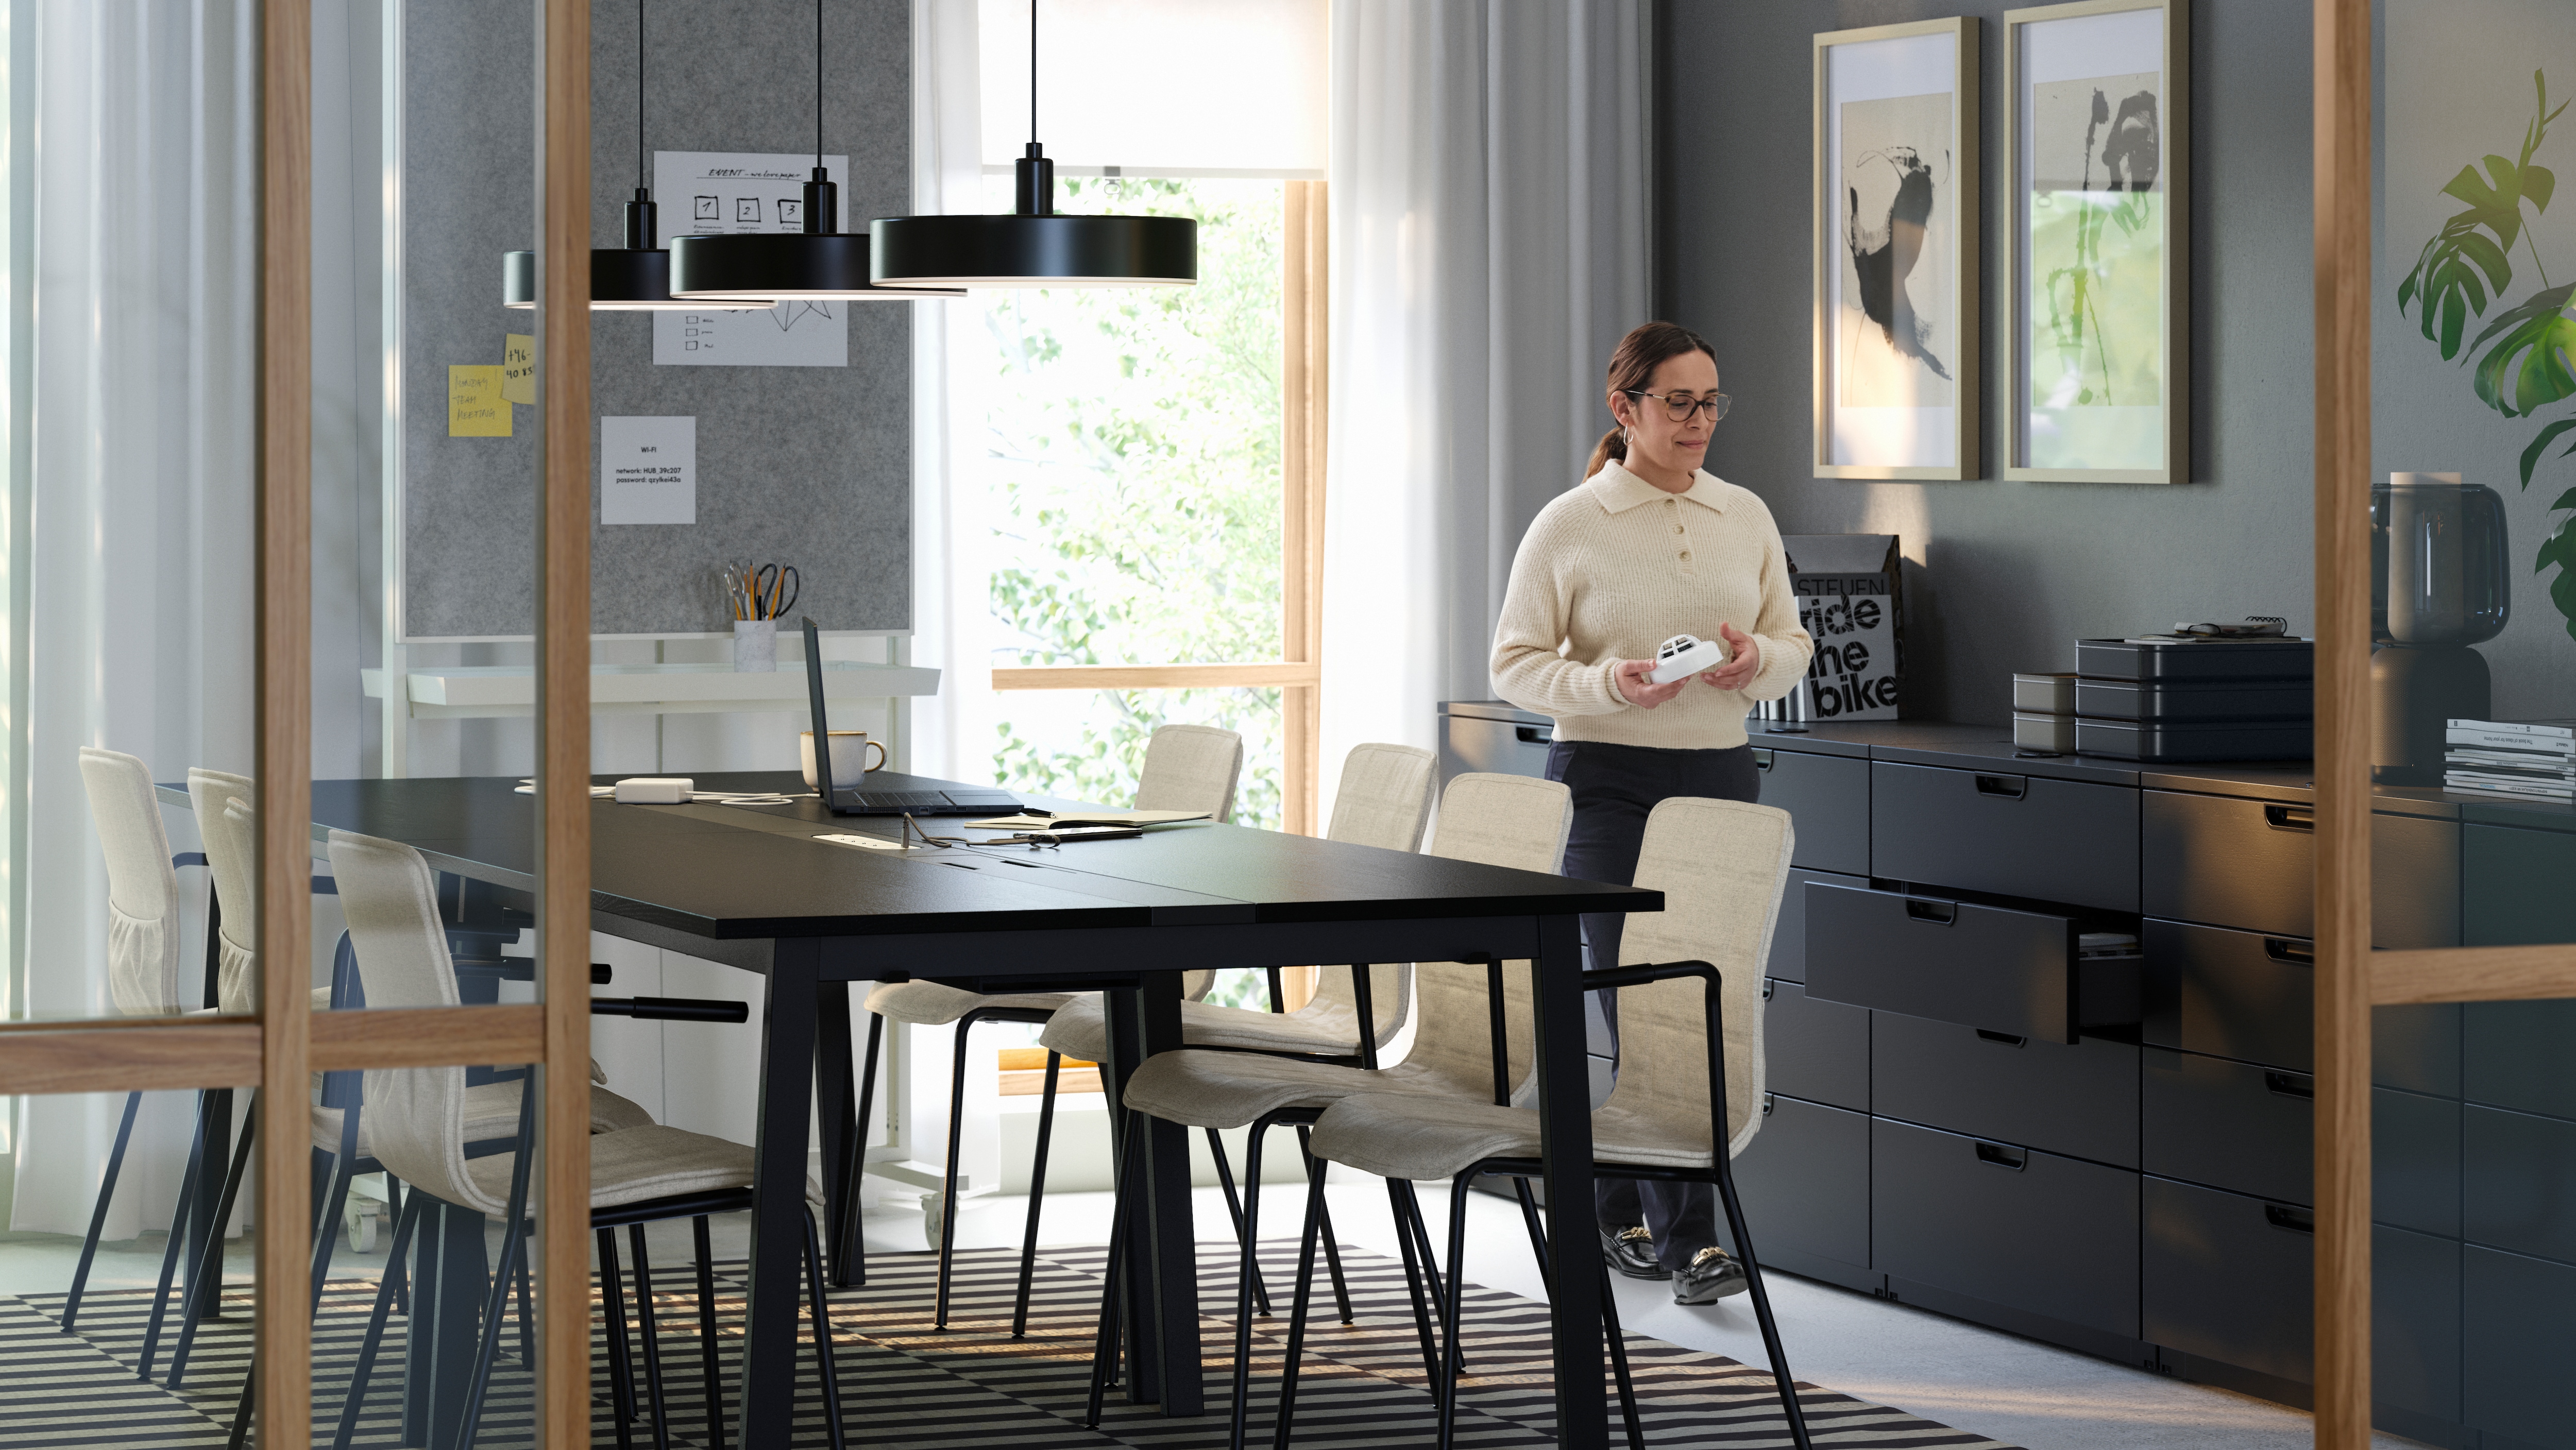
361	1219
934	1206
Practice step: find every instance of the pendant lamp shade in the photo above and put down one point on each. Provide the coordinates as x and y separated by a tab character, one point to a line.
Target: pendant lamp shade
622	279
721	270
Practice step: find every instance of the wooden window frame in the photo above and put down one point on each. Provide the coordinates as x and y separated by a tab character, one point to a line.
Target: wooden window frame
1305	299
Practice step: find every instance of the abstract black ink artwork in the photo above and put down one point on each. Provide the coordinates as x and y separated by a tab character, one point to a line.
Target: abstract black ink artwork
1899	231
1886	242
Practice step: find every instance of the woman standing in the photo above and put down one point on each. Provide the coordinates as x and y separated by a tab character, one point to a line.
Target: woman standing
1647	547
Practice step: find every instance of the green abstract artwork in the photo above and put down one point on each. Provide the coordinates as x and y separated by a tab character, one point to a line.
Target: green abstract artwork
2095	309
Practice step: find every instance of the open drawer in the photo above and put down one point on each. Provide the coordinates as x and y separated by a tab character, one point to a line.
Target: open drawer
2015	972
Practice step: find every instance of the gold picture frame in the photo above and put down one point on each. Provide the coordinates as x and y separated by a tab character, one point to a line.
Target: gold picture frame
1895	210
2097	108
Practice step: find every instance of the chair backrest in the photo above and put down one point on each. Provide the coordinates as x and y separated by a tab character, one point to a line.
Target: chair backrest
142	889
1384	801
1495	820
1190	768
232	854
415	1115
1722	866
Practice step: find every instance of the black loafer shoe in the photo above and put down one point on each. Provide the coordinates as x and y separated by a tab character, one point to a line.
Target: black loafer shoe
1713	1274
1631	1251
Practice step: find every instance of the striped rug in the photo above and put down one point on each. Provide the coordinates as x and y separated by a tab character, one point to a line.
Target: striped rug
904	1384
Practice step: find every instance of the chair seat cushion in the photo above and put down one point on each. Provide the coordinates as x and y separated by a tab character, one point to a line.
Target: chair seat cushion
491	1111
1080	1029
1408	1136
928	1004
1205	1089
634	1164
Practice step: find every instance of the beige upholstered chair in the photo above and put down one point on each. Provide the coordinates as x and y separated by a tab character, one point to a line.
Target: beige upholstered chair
1697	970
1187	768
1496	820
419	1121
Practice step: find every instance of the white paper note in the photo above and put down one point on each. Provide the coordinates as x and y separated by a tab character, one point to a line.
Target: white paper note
704	192
648	470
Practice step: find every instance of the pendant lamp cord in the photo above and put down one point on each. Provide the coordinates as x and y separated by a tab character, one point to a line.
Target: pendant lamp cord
818	84
639	95
1033	72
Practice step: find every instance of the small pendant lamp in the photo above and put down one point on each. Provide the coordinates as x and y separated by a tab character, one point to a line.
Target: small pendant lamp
632	278
821	263
1033	246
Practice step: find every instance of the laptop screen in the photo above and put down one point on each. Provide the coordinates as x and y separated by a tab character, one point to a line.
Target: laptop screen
814	701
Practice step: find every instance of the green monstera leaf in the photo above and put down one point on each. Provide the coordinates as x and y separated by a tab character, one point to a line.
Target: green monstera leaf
2465	263
2528	368
2560	549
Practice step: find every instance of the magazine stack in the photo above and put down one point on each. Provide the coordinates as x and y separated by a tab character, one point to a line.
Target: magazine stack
2528	761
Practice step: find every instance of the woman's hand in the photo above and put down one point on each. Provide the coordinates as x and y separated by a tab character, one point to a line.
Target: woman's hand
1743	660
1641	692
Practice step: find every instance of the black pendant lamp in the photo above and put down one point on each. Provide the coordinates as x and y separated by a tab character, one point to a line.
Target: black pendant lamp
632	278
1033	246
821	263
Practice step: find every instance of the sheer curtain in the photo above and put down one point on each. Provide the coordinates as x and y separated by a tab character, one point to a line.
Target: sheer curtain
1490	246
139	533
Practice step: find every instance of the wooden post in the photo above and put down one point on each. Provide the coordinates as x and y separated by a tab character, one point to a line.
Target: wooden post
283	713
2343	284
563	715
1306	375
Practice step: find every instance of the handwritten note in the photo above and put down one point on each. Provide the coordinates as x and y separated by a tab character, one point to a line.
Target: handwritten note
648	470
519	368
475	406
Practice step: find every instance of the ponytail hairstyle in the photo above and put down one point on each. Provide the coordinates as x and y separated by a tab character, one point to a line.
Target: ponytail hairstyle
1632	366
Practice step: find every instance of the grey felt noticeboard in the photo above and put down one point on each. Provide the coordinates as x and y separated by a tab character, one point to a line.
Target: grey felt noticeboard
805	466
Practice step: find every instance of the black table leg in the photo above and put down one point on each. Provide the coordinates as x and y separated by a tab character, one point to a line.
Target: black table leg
836	1107
1172	1258
1565	1144
217	1127
445	1337
769	1351
1143	1327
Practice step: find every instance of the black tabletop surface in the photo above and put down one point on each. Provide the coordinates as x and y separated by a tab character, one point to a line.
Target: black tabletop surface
728	872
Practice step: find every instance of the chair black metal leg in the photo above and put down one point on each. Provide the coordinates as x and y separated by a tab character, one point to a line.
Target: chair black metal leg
1278	996
850	1254
179	1218
1247	1272
822	1310
514	1240
1298	1305
1037	1196
1105	1341
1537	1232
207	1279
404	1221
326	1226
527	1317
1430	1269
621	1364
1332	1250
1789	1406
1618	1359
98	1215
948	1183
1251	1227
708	1340
1395	1191
396	1272
652	1338
1452	1367
1225	1181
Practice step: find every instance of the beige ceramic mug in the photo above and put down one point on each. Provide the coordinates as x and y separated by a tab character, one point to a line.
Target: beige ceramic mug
849	752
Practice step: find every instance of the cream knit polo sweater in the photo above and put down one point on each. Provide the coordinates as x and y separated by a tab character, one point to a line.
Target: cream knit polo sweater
1613	568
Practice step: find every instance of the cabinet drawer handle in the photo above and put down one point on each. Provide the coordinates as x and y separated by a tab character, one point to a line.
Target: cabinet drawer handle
1762	760
2290	818
1939	913
2006	1038
2002	787
2290	1085
2296	1220
2015	1159
2290	949
1534	734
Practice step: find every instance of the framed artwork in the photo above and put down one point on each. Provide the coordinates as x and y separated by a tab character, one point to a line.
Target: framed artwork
2095	133
1895	211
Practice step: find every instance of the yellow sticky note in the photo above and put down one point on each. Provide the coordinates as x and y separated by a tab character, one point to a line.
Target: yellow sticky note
519	368
475	407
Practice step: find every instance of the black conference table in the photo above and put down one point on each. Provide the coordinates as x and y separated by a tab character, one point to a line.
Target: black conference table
750	887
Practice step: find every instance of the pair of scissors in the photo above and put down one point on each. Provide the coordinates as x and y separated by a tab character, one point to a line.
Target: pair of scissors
767	583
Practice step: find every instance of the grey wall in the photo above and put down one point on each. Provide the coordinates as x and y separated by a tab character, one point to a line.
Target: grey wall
2005	576
807	465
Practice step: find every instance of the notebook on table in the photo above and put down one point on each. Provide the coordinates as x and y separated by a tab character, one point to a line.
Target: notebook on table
902	795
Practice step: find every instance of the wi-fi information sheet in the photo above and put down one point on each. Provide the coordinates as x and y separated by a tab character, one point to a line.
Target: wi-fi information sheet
702	192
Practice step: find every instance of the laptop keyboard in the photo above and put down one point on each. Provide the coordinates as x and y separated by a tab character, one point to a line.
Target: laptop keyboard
902	800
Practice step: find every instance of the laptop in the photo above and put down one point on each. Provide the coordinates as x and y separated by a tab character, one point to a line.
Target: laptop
903	794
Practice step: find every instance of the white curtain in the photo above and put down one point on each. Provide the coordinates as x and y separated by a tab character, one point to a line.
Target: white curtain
141	525
1490	246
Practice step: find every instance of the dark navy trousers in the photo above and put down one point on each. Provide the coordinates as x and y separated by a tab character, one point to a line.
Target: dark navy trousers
1615	786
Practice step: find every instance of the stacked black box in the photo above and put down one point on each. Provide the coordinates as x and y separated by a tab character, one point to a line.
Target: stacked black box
2201	699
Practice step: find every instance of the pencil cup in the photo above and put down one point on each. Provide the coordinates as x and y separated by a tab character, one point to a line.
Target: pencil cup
755	645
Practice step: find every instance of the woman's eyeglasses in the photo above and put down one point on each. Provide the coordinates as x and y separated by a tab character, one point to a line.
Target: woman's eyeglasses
1679	406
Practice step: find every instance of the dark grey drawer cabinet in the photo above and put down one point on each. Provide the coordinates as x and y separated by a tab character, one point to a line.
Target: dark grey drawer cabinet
1815	1049
1789	937
2010	1225
2015	835
2079	1100
2230	1277
2520	1055
1804	1183
2518	1340
1982	966
2252	1129
2248	995
2513	885
2250	864
1494	745
2518	1189
1827	798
